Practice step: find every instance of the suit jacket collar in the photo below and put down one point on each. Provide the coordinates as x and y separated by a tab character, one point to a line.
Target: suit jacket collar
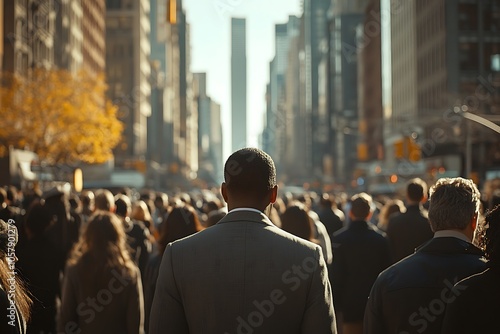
358	224
246	216
449	245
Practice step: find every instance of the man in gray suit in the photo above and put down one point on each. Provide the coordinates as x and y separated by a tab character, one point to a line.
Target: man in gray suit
244	275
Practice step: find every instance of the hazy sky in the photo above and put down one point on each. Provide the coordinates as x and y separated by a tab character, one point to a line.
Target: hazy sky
210	22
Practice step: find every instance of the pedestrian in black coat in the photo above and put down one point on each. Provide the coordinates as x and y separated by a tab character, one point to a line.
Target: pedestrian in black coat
408	230
361	253
411	295
477	307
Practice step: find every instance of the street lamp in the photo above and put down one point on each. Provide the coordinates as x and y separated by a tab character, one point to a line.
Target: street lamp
468	140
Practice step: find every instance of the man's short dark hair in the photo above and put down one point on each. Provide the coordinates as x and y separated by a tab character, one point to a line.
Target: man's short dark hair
416	189
361	205
250	171
122	205
453	203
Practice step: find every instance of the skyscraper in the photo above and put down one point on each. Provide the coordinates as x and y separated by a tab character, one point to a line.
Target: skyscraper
29	31
69	36
94	36
238	83
443	62
128	73
346	16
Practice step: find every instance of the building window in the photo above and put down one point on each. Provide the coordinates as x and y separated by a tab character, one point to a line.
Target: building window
495	63
491	16
467	17
113	4
469	58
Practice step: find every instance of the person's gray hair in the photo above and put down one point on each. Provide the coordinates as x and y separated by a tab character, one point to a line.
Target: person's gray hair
453	203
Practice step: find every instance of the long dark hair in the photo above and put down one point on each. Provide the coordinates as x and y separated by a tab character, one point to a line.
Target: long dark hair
296	221
181	222
101	249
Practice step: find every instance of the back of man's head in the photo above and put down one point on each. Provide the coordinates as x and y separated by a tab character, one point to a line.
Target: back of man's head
104	200
123	205
416	190
361	206
250	173
454	202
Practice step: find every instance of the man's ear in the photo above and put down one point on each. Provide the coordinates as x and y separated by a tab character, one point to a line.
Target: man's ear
223	191
474	221
274	194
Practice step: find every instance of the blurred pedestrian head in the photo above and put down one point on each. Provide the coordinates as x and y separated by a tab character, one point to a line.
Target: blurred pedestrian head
140	211
181	222
87	198
296	221
123	206
101	248
104	200
454	204
390	207
38	219
161	201
361	206
416	190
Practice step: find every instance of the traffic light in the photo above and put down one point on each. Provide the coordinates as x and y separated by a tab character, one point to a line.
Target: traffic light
172	11
407	148
362	152
399	149
414	151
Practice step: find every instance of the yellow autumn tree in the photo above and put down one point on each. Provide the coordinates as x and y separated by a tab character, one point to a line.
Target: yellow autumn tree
63	117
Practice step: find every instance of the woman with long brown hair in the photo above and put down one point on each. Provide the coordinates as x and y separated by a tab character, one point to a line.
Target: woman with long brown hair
102	289
181	222
296	220
15	303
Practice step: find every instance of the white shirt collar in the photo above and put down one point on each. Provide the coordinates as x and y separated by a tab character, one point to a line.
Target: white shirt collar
451	233
245	209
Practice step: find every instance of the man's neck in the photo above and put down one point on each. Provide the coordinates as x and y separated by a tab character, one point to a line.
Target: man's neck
231	207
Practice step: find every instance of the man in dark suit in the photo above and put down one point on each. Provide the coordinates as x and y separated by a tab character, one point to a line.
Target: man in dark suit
476	308
361	253
243	275
411	295
410	229
330	215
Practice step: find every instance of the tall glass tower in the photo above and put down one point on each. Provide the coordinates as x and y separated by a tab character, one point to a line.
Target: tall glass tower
238	84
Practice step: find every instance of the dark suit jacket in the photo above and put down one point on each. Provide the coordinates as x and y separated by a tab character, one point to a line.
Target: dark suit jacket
243	275
361	253
331	220
411	295
407	231
477	306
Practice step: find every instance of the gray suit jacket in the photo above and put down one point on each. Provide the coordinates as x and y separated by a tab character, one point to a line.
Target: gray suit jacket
243	275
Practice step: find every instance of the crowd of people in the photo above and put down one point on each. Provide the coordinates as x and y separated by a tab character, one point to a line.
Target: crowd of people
248	259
